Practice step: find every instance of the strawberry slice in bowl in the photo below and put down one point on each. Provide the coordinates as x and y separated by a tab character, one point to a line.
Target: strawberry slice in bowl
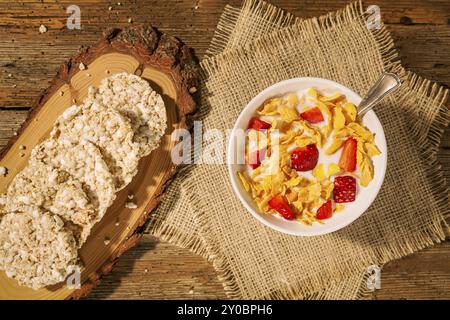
325	211
347	161
305	158
313	115
258	124
279	204
344	189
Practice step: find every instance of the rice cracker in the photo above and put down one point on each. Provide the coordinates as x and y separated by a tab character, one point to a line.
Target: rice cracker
134	98
44	186
108	130
84	162
36	249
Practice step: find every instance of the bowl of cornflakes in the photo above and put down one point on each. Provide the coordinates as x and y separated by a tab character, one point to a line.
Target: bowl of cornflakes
302	161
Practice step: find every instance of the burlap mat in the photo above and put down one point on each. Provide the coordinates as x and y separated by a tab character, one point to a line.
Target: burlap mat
256	262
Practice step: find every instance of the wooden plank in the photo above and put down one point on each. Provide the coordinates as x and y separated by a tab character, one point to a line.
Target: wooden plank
10	121
424	275
156	270
422	50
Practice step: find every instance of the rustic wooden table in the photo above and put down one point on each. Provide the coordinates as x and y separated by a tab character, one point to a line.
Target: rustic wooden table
156	270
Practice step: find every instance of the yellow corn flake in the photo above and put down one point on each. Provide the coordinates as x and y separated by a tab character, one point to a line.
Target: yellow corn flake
303	195
338	119
293	181
304	141
343	133
291	197
263	204
314	190
280	125
288	138
361	132
274	124
287	114
339	207
318	172
334	146
333	169
333	97
312	93
360	153
327	189
330	105
304	220
291	100
257	171
269	109
311	131
298	205
244	181
367	172
325	131
350	111
283	190
372	149
255	191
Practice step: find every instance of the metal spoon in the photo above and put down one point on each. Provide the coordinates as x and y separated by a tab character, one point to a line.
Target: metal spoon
385	85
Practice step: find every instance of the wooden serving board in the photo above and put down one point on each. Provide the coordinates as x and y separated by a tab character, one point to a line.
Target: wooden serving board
172	71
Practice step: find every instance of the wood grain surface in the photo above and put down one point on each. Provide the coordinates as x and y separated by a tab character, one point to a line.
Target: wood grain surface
155	270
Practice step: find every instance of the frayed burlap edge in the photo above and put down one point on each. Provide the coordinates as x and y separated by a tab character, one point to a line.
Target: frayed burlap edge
425	237
229	21
224	30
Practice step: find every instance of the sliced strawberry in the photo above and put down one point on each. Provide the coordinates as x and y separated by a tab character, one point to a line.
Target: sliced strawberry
258	124
347	161
312	115
279	204
255	158
344	189
325	211
304	158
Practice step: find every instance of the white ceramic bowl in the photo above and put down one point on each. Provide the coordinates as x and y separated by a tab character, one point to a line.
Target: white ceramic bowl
365	196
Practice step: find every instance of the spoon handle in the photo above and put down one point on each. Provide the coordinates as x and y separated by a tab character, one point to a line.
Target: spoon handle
385	85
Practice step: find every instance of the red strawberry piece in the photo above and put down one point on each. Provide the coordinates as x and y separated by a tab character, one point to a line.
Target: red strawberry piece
258	124
312	115
279	204
347	161
255	158
304	158
325	211
344	189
